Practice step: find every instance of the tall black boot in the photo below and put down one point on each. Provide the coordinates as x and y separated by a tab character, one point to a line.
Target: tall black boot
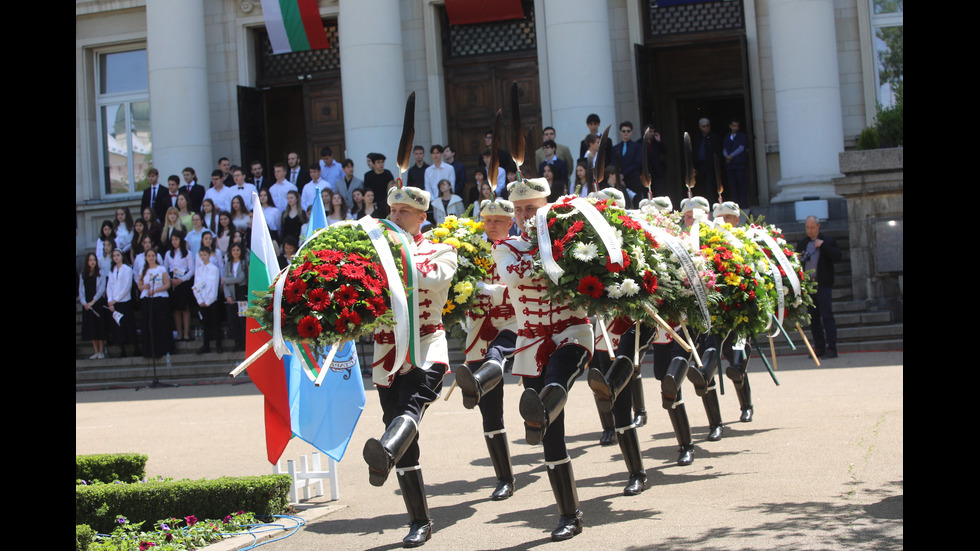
381	455
500	457
413	492
738	373
539	410
703	380
670	392
743	391
639	401
566	495
629	444
474	384
608	422
608	386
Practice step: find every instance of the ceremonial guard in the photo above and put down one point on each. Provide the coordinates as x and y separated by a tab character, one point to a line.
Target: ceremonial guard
491	333
736	353
554	344
407	385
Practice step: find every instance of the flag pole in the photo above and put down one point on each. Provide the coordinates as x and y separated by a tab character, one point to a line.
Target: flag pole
251	359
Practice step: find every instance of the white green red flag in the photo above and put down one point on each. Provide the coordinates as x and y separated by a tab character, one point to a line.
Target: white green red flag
268	372
294	25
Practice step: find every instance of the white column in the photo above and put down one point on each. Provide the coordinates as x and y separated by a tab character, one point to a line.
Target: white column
178	71
373	74
808	102
579	64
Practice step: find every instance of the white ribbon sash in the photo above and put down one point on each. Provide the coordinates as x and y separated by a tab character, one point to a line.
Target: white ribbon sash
606	234
677	247
399	295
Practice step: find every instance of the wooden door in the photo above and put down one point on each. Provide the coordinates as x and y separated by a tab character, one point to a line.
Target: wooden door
474	92
324	118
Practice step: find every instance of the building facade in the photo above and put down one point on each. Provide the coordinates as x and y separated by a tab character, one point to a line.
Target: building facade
181	83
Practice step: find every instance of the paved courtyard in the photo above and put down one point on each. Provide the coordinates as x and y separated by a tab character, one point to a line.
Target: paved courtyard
820	467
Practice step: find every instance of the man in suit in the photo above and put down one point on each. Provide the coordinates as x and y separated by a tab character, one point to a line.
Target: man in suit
707	154
735	150
416	172
627	155
560	151
559	167
655	150
818	252
257	179
154	196
503	156
224	165
592	121
193	190
296	174
449	157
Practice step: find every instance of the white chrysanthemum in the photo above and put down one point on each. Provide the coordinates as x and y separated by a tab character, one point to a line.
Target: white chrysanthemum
568	214
638	255
629	287
585	251
614	291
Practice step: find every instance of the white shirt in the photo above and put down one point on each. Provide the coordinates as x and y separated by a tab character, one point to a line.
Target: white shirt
120	284
245	192
278	192
310	192
434	174
206	284
220	197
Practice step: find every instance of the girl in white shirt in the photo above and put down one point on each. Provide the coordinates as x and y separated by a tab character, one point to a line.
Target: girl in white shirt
206	281
119	292
180	265
154	285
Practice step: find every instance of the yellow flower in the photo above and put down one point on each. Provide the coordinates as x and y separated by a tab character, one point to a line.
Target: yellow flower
452	241
440	232
449	307
733	279
469	248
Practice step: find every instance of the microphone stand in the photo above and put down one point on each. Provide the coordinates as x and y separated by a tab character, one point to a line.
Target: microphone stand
153	345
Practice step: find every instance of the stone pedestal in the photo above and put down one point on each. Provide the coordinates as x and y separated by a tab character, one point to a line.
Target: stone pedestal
873	185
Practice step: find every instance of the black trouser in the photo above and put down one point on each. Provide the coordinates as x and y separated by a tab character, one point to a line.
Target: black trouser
409	394
492	403
565	365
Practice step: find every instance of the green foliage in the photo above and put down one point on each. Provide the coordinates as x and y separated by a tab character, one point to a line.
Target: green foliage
111	467
888	130
83	536
172	534
100	505
868	139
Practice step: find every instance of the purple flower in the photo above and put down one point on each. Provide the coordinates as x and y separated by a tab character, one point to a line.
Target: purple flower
121	519
191	520
164	526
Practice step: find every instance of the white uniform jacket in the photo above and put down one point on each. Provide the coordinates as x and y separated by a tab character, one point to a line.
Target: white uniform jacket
542	325
435	264
498	314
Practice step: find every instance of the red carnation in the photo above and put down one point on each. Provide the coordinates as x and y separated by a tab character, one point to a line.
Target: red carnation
650	282
304	267
293	292
590	285
353	271
629	222
377	306
318	299
330	256
327	271
347	316
309	327
346	296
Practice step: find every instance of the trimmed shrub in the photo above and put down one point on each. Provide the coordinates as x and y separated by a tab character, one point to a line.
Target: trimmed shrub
111	467
99	505
83	536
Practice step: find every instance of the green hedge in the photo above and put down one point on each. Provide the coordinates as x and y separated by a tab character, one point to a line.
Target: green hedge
83	536
99	505
111	467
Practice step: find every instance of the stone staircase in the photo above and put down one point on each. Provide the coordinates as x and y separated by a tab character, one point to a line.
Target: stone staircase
858	330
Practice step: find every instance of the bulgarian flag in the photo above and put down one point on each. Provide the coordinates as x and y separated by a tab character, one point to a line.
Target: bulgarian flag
268	372
294	25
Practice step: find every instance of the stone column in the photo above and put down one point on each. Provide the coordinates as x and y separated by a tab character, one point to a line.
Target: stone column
579	64
372	69
808	102
178	71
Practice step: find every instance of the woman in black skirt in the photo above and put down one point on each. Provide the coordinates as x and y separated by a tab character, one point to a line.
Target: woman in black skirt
154	284
91	293
180	266
119	293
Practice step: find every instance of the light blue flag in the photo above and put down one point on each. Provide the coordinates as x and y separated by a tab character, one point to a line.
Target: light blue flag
325	415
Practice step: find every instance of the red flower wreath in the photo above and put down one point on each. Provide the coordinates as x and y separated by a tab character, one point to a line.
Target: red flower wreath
309	327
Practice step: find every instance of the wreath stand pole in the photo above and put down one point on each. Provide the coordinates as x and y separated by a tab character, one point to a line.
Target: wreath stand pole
605	337
807	342
325	367
251	359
